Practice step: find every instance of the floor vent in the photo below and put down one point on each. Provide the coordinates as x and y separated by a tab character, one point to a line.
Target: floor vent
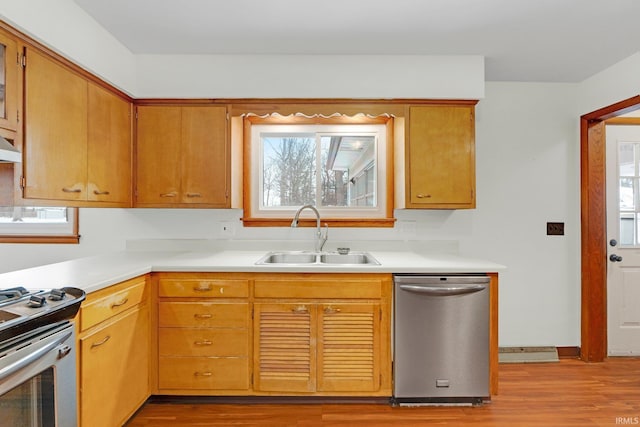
527	354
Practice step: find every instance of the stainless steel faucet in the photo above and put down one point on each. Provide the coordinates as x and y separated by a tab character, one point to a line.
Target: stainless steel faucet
320	238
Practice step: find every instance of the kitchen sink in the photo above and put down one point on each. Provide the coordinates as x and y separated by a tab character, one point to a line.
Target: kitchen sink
289	258
317	258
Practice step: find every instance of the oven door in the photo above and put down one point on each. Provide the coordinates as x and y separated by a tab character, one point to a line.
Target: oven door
38	381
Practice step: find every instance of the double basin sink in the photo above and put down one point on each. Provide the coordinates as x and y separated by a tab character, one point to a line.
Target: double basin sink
317	258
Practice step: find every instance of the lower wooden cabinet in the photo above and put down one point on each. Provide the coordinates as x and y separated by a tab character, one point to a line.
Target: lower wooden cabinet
203	335
114	379
261	334
302	347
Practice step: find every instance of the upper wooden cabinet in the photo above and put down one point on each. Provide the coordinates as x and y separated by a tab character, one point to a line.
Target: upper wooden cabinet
440	157
77	148
9	81
182	156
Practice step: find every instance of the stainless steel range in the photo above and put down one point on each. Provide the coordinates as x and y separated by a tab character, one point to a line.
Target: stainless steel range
37	357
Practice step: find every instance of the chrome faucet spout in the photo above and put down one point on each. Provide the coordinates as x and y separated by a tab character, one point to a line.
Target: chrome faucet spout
321	238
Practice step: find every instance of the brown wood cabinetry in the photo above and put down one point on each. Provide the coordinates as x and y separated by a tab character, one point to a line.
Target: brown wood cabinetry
77	141
182	156
440	157
322	334
114	354
203	335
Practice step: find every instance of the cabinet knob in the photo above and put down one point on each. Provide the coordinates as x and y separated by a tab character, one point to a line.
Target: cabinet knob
423	196
301	309
331	310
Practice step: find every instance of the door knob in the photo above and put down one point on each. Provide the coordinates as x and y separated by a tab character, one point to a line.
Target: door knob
613	242
615	258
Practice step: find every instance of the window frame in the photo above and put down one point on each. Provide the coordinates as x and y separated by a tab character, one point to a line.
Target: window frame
47	233
253	218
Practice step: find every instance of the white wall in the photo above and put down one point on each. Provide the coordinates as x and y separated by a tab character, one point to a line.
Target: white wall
308	76
616	83
67	29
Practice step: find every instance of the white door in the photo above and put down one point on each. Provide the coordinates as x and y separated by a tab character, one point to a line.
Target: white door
623	239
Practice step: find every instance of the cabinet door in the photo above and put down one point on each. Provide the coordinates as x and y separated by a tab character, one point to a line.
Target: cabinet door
204	156
55	148
9	90
284	347
114	379
109	147
349	352
158	152
441	157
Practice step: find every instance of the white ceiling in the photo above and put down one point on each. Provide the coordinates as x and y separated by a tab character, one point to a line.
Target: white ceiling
521	40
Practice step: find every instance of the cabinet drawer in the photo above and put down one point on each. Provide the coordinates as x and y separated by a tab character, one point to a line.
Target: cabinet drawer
108	304
203	373
203	342
204	288
203	315
318	288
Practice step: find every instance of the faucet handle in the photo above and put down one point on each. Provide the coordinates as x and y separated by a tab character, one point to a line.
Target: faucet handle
322	237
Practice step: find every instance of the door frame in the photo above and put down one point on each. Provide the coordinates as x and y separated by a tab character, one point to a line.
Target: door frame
593	213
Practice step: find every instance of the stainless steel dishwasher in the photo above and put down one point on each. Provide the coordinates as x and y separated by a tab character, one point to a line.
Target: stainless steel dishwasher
441	339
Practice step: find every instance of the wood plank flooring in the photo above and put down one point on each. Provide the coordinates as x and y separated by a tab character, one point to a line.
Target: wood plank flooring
568	393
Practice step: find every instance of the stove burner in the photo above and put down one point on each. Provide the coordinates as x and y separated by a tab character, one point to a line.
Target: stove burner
22	311
12	294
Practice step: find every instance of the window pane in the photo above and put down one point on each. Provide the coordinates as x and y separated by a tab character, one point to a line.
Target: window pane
627	231
288	170
54	224
627	201
626	159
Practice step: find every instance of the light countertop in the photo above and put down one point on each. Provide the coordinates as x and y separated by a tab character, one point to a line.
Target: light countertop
96	272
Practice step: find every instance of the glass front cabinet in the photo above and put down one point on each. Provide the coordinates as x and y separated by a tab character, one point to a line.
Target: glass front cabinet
9	71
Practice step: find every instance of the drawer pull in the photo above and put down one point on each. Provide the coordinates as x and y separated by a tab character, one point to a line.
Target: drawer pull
120	303
301	309
171	194
331	310
203	288
204	342
99	343
423	196
202	316
202	374
194	195
71	190
101	193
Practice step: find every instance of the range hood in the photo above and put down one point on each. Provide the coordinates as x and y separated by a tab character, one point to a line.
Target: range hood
9	153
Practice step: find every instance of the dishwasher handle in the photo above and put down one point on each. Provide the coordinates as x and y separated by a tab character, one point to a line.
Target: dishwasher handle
443	290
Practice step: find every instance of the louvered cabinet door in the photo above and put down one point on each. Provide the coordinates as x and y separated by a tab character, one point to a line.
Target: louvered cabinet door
284	347
349	355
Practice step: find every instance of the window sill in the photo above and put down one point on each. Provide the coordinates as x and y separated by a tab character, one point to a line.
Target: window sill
73	239
332	222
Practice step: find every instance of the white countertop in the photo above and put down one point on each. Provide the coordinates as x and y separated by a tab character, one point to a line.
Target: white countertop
96	272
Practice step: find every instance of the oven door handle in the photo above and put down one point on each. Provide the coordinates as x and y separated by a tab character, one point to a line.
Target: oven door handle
32	357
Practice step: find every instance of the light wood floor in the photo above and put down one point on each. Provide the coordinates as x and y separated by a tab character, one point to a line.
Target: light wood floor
569	393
